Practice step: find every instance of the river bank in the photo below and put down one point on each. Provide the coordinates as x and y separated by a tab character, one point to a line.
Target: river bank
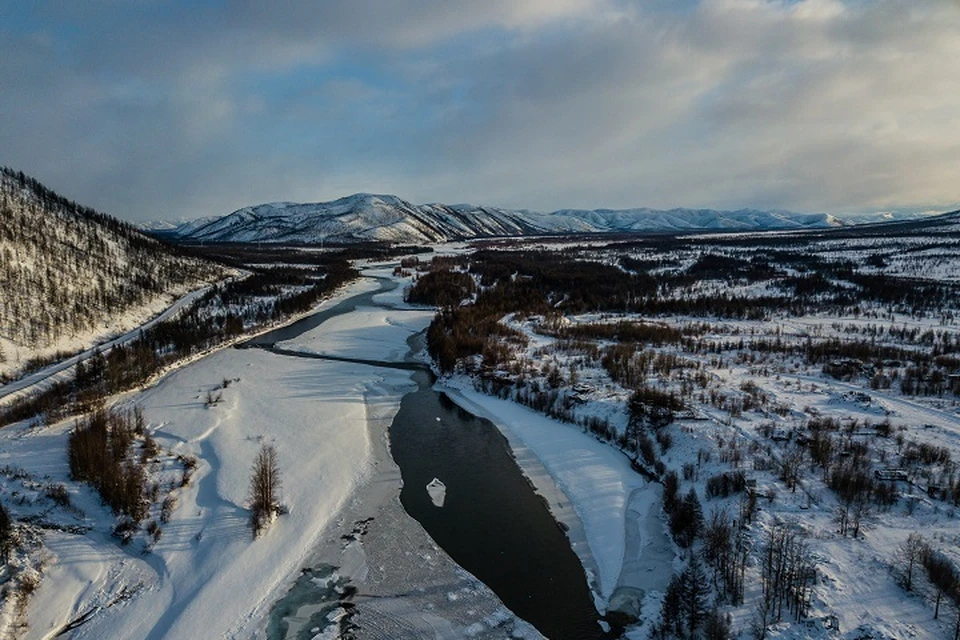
401	585
612	514
204	576
623	528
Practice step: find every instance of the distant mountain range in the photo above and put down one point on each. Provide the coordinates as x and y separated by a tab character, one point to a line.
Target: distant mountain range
366	217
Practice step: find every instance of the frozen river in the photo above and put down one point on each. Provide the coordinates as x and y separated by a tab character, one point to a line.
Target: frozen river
491	522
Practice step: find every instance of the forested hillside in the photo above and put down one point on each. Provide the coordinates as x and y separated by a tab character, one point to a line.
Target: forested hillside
69	274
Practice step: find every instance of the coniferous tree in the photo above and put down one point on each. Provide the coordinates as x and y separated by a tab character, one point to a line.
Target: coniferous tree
696	589
6	534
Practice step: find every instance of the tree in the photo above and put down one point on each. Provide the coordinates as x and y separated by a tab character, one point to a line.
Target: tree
684	607
910	552
686	519
695	589
6	534
264	489
671	610
723	548
942	575
716	626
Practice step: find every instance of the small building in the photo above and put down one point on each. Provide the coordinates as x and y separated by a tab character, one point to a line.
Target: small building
890	475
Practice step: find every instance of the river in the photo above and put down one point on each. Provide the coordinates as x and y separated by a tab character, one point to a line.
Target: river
491	522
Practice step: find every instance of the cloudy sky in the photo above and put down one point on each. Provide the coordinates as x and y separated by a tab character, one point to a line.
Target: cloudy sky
152	109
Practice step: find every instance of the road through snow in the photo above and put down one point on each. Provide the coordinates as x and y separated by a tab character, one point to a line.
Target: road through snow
59	370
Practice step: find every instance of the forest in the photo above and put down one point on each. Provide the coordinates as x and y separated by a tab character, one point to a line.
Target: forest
794	394
67	271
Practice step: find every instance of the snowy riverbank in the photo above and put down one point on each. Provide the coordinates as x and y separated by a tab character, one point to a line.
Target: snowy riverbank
205	577
612	515
406	585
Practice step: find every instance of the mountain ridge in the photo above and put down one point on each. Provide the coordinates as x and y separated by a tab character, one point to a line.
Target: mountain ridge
383	217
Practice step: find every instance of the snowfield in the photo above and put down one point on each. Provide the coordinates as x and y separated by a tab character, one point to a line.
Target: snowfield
856	591
205	577
752	403
368	333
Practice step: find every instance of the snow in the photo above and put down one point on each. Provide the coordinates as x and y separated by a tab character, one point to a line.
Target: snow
193	572
328	421
206	576
62	369
389	218
437	491
313	412
856	580
612	501
369	333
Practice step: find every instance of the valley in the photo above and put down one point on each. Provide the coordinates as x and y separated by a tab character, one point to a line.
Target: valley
526	320
769	422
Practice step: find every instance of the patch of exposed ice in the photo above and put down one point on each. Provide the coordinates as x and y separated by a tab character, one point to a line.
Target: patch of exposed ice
437	491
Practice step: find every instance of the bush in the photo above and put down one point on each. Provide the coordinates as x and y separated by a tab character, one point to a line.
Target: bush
124	529
154	530
58	493
166	509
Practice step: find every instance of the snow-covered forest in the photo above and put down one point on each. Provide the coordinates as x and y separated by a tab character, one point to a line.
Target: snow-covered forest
71	276
797	395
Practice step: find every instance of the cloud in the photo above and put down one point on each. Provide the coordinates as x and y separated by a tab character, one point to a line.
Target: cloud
809	105
166	110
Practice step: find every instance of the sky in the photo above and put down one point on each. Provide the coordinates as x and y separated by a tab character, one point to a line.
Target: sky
152	109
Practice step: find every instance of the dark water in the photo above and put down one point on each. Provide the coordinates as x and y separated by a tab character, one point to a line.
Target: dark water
492	523
316	594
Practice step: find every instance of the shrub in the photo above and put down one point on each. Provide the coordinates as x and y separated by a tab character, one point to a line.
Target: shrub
58	493
166	509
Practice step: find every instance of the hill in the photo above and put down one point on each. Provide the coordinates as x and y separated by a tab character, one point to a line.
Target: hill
70	276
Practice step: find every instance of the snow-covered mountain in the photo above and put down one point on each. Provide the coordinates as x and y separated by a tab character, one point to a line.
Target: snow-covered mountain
362	217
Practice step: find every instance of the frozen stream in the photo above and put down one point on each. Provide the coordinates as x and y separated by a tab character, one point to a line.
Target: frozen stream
491	522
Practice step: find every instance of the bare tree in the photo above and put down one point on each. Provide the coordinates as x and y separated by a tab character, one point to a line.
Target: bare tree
787	575
909	553
861	509
944	577
264	489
